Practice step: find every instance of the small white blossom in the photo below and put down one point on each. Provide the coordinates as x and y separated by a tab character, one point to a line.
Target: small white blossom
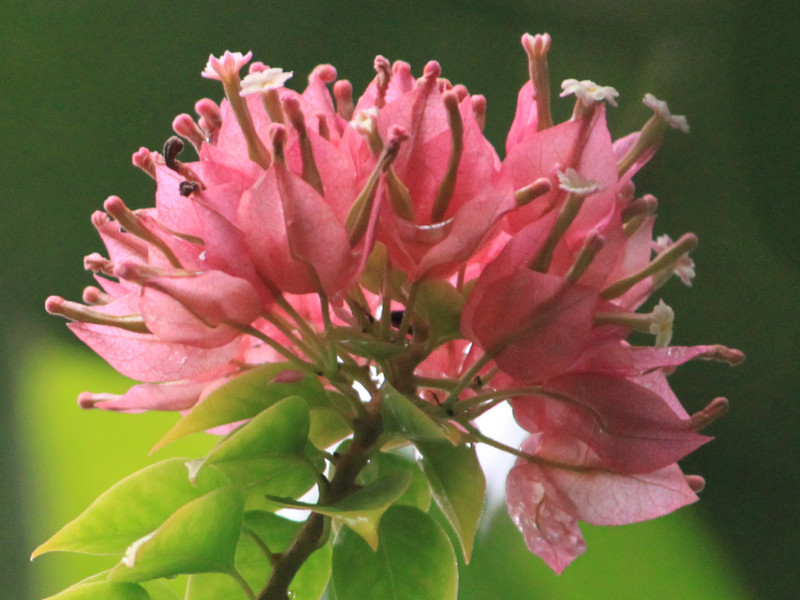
223	67
573	182
684	268
588	92
660	107
364	121
661	327
262	81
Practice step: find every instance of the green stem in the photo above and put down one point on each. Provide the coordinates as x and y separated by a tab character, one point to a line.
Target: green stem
286	329
292	358
244	585
307	331
465	380
313	534
405	323
475	432
260	543
478	399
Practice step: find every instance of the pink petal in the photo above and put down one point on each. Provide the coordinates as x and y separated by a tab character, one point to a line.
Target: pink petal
629	427
146	358
196	310
523	314
525	119
152	396
549	531
315	236
582	145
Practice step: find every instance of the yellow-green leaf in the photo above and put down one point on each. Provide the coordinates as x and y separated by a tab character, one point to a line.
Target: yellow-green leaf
362	510
246	396
458	485
200	537
131	509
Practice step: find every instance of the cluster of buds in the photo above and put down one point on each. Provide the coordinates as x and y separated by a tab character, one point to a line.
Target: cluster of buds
383	242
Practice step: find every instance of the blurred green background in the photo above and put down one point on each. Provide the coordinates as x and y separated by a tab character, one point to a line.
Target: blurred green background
84	84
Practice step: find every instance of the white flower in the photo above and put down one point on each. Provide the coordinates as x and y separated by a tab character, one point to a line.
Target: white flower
588	91
262	81
365	121
660	107
228	64
661	326
684	267
571	181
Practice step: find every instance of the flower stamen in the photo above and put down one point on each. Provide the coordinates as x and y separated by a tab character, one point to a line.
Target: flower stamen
310	173
652	133
358	218
446	188
579	188
226	70
659	322
665	260
75	311
537	47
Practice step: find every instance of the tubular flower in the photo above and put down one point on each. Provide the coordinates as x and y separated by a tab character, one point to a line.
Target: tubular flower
380	244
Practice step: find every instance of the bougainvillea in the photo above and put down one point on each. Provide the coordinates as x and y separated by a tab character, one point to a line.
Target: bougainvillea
333	283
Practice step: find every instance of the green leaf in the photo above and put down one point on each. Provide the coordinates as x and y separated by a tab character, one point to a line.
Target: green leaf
458	485
415	561
277	534
362	510
440	304
243	398
402	416
268	452
328	426
280	429
160	590
132	508
287	476
391	464
102	590
200	537
374	271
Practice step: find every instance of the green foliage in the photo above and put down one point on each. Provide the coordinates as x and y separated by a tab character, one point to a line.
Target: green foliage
132	508
414	561
403	417
388	465
458	485
103	590
671	558
265	533
380	541
244	397
439	303
200	537
362	510
268	452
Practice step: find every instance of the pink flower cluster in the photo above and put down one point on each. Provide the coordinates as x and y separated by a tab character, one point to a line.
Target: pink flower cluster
309	224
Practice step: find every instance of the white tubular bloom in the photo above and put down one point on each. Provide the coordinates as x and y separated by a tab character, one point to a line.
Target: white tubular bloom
226	65
588	92
661	326
684	268
364	121
263	81
573	182
660	107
